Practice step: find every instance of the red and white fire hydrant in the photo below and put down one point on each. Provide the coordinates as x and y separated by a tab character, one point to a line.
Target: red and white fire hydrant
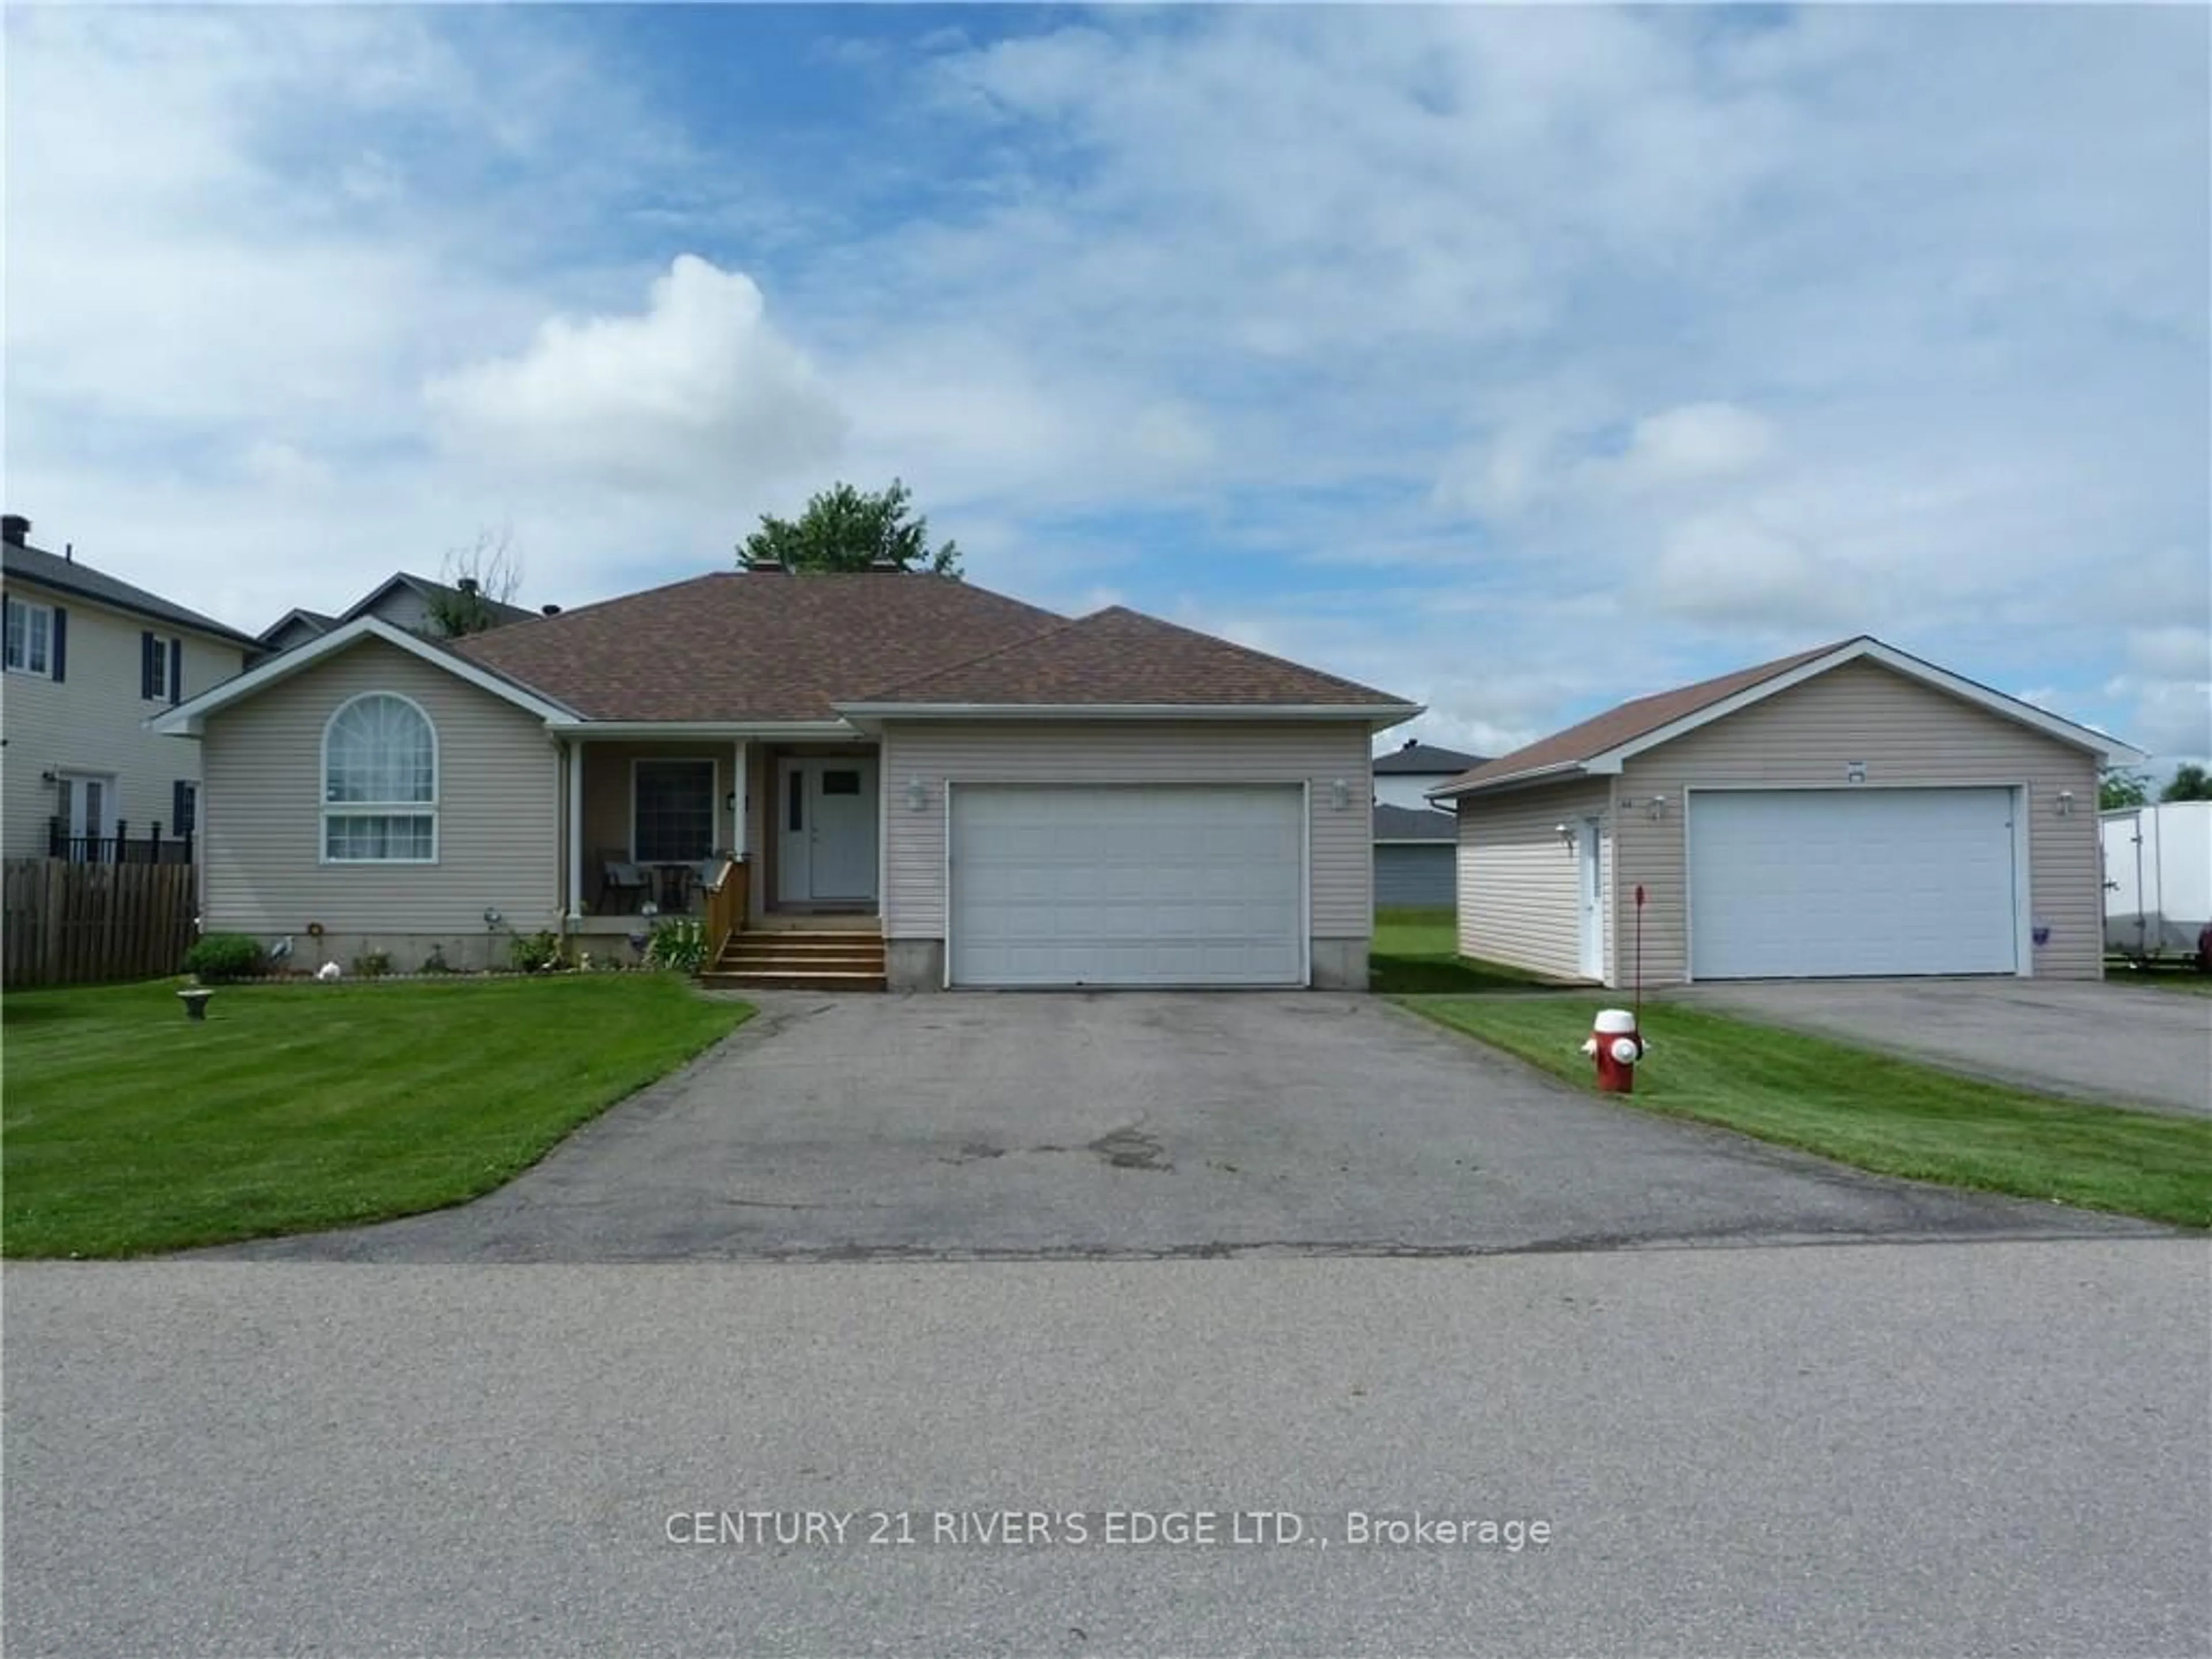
1616	1045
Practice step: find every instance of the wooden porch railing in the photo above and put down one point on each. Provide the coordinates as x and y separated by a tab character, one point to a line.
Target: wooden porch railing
726	907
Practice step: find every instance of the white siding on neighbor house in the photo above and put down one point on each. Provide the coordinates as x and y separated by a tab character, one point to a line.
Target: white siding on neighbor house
93	720
1408	788
1316	753
1519	894
1905	734
498	817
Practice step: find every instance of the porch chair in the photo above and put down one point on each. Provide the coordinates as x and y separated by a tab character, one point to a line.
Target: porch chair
618	876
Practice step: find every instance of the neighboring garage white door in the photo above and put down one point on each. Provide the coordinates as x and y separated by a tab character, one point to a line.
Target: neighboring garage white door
1818	883
1127	884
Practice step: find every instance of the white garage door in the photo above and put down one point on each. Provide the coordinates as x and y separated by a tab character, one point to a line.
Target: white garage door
1816	883
1150	884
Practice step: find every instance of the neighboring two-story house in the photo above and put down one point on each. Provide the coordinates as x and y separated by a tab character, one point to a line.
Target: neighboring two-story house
88	658
1415	844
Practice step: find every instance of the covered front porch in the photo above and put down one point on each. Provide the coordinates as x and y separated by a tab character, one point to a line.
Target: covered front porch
651	821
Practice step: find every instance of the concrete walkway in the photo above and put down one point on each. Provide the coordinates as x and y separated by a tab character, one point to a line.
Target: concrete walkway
2125	1045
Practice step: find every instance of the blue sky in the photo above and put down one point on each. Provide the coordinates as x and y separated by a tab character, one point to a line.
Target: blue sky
1514	360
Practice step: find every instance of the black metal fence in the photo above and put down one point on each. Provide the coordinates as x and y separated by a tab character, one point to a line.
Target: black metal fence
151	846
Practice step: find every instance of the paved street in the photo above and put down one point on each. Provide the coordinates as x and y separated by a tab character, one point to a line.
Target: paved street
1863	1449
2126	1045
1132	1125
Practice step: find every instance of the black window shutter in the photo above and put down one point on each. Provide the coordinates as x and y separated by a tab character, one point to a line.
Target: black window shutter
176	672
146	666
60	647
181	807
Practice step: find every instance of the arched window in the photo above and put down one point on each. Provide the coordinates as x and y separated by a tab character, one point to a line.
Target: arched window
379	783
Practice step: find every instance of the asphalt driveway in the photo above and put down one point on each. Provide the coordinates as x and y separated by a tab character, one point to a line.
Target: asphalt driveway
2127	1045
1136	1124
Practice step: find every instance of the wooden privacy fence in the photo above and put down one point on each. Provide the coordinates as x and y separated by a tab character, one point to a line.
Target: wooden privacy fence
78	924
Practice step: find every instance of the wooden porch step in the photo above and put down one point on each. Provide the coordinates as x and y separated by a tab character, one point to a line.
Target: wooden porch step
810	959
786	979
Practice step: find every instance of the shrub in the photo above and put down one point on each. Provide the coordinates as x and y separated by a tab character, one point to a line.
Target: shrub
224	955
533	953
372	964
677	942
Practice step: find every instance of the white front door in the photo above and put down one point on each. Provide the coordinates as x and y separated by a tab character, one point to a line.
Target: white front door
86	807
826	817
1590	887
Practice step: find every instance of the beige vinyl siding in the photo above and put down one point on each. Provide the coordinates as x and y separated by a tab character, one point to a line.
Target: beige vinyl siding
1519	898
498	823
1315	753
93	721
1906	734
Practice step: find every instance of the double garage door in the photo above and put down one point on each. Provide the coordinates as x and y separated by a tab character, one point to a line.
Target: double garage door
1127	884
1835	883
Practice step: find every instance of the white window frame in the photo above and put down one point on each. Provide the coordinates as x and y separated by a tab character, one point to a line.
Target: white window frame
31	608
360	809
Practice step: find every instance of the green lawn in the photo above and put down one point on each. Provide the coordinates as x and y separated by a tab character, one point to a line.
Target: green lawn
128	1129
2167	977
1415	952
1888	1115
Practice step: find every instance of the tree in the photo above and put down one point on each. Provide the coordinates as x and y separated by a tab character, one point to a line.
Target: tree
488	572
2118	786
2189	783
847	529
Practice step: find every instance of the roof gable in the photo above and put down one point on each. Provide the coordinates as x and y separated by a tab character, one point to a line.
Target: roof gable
1602	743
189	718
1122	658
430	593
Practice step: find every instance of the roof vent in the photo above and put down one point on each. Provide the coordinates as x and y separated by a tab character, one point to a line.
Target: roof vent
884	562
549	610
763	562
15	529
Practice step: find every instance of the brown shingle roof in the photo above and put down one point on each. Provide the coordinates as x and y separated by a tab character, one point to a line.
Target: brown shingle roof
1627	722
735	646
1122	657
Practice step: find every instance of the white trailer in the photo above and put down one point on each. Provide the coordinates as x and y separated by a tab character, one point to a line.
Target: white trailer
2158	877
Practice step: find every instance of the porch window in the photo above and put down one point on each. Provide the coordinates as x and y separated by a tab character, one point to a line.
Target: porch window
675	811
379	783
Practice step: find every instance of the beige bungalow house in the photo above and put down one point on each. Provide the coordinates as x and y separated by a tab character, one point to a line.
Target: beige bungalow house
1848	810
861	779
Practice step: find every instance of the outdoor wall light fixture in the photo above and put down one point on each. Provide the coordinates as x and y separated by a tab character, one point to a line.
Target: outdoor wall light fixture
1854	771
492	917
1339	793
917	795
1655	808
2066	803
730	801
1566	834
50	777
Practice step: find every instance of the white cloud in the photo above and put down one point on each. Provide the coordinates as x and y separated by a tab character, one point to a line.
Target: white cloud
1439	342
1696	442
698	395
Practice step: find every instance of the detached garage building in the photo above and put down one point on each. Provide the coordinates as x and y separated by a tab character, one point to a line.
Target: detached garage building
1850	811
